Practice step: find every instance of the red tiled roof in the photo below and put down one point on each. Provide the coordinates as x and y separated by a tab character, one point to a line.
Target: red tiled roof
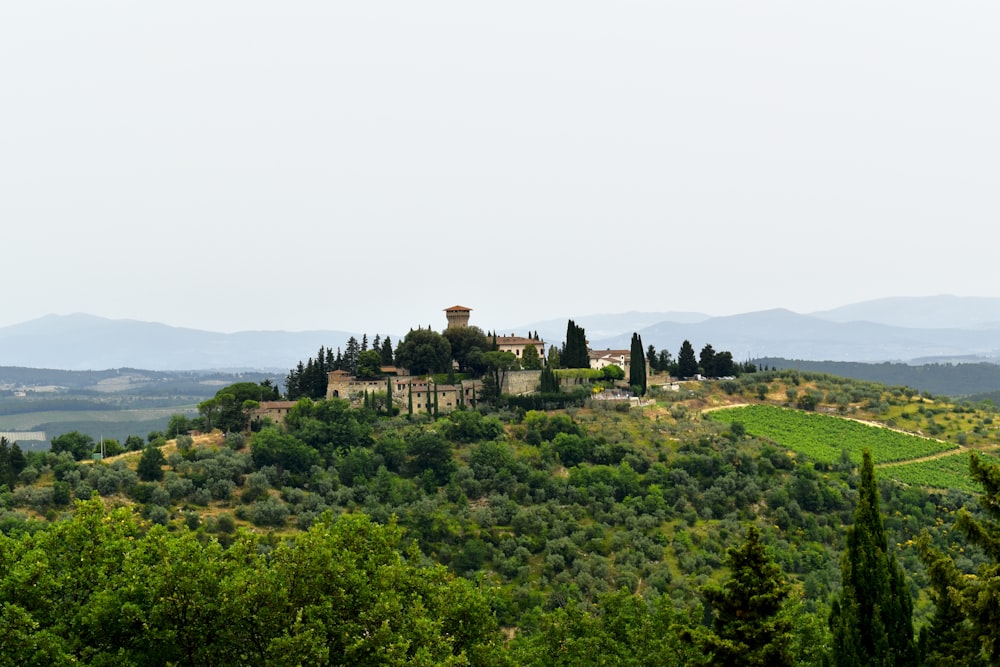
453	308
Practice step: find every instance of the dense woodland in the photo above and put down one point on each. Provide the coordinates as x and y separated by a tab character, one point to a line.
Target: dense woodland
602	533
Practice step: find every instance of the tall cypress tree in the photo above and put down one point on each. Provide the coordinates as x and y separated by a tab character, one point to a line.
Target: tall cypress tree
637	366
872	620
574	353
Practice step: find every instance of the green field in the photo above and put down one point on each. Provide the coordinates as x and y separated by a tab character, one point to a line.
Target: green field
825	437
115	424
947	472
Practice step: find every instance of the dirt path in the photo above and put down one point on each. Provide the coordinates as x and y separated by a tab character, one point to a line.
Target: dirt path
931	457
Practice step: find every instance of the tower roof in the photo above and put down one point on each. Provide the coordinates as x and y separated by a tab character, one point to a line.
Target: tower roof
456	308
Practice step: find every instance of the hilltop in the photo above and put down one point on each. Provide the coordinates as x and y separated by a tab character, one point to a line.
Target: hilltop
561	507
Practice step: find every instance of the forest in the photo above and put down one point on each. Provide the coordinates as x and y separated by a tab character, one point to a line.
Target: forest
687	530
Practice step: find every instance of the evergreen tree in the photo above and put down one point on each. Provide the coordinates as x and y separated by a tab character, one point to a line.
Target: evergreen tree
964	629
637	366
549	381
387	357
665	362
651	358
530	360
553	361
574	353
351	353
749	627
872	620
707	361
151	463
687	365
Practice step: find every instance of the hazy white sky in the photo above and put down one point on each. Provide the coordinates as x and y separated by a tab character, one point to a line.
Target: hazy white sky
361	166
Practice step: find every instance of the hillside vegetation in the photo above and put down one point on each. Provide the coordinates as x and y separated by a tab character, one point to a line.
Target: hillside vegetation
591	534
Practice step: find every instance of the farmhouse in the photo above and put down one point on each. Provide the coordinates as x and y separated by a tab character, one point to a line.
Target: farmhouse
424	394
516	345
273	410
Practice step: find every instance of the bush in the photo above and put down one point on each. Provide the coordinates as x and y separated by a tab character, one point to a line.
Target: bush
269	512
225	523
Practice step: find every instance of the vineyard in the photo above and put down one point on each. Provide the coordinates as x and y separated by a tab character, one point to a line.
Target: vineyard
825	437
946	472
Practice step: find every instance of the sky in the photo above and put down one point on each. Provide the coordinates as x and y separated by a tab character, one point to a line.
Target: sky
361	166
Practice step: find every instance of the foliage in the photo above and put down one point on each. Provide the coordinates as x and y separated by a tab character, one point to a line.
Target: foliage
270	447
574	353
369	364
12	462
151	464
468	345
965	627
424	351
530	359
230	408
871	619
79	445
687	364
108	590
748	626
637	366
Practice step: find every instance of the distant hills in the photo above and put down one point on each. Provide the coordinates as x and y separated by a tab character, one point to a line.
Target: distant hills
904	329
87	342
899	329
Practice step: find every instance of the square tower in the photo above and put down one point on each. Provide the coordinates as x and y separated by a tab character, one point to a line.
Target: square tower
458	316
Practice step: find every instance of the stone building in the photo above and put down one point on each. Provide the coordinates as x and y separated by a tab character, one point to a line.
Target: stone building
273	410
458	316
516	344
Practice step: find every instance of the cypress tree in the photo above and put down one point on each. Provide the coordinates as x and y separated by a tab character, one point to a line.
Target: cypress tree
549	382
388	396
872	620
574	353
410	399
637	366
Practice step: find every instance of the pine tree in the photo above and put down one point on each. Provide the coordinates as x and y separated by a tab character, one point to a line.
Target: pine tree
748	627
687	364
872	620
637	366
351	353
387	357
651	358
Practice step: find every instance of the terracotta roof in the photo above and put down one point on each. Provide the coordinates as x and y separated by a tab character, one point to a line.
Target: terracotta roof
517	340
275	405
448	310
602	354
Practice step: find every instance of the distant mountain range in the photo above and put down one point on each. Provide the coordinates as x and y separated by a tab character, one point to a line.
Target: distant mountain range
901	329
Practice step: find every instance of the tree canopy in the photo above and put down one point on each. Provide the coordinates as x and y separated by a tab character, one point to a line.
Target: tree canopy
424	351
